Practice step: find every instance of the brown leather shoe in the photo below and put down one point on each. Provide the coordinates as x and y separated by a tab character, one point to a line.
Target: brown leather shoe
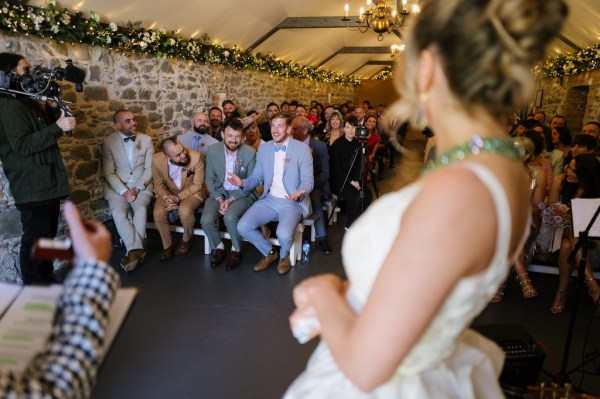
284	265
234	260
183	247
167	253
217	258
133	259
266	261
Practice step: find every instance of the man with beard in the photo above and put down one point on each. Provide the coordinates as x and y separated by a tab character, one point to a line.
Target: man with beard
197	139
215	119
285	166
126	165
265	127
225	199
178	175
229	109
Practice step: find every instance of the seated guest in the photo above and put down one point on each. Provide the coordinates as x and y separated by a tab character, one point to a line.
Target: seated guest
592	128
197	139
286	168
341	155
583	144
127	169
561	138
538	159
579	181
301	131
179	186
252	136
265	127
334	128
225	199
229	109
555	156
67	366
215	118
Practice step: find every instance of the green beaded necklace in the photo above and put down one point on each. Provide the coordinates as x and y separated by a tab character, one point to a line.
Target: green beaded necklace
476	146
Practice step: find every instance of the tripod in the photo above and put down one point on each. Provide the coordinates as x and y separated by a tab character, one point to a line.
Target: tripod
361	150
584	243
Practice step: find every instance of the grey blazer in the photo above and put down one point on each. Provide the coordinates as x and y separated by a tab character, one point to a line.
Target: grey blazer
116	169
215	170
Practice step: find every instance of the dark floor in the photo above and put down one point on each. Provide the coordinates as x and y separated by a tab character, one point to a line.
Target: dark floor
197	332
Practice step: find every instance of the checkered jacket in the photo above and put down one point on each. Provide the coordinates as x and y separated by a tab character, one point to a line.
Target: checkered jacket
67	366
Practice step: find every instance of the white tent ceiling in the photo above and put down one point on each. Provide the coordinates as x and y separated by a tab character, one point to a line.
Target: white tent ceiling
259	25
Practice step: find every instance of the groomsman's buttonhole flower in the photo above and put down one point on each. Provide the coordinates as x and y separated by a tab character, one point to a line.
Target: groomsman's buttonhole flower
287	159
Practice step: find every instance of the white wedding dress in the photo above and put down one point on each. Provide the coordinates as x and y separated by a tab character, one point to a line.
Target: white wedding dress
449	360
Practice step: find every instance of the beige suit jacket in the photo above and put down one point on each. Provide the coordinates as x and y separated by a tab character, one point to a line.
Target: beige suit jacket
193	183
116	169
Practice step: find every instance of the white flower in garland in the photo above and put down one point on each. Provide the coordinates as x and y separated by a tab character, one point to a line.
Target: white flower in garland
113	26
51	3
94	16
66	19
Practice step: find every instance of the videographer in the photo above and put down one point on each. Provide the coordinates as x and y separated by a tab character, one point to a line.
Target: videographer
32	163
341	155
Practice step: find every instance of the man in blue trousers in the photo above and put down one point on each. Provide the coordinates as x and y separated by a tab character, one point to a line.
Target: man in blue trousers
285	166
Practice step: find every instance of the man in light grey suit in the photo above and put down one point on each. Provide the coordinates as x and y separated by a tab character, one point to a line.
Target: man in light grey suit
197	139
285	166
127	168
226	200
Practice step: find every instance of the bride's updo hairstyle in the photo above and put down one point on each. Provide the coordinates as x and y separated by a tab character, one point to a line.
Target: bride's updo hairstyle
487	49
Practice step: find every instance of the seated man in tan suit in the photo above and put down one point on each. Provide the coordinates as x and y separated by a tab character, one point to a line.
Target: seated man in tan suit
178	175
126	162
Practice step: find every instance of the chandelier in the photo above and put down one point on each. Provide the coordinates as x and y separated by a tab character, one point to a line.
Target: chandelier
380	17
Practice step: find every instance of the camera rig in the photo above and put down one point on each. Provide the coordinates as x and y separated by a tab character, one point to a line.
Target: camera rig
41	83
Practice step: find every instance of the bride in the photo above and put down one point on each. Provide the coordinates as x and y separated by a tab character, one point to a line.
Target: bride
399	327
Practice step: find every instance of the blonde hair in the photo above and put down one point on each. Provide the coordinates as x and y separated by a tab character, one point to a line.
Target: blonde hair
486	48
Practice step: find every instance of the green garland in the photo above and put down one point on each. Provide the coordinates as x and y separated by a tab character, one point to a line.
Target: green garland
571	64
58	24
383	75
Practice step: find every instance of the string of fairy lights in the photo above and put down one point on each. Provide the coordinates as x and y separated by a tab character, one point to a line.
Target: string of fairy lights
63	26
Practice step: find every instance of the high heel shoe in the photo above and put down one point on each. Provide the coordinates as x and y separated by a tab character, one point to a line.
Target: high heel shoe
497	297
558	306
594	291
526	286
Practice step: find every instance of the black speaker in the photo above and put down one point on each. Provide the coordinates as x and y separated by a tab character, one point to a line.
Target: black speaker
524	359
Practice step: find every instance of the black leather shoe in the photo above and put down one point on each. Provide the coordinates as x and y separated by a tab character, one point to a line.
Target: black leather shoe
324	246
217	258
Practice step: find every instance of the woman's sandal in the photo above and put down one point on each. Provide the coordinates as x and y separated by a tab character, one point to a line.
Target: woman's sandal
594	291
526	286
497	297
558	306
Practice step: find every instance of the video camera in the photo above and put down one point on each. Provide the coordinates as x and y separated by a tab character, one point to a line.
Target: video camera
40	83
362	133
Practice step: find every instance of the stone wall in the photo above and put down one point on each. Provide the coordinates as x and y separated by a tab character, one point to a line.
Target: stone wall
162	93
560	92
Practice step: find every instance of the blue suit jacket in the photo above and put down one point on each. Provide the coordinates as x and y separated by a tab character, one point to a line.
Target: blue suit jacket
297	171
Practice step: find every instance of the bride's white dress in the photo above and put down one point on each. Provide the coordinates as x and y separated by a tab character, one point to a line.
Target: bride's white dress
449	360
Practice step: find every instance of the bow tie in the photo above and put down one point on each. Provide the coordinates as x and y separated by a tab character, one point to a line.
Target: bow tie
280	148
126	139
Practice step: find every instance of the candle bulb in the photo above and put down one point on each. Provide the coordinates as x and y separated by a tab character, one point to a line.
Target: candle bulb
346	8
368	3
403	5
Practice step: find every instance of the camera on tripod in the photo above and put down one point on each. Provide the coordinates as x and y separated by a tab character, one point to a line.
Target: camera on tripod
40	82
362	133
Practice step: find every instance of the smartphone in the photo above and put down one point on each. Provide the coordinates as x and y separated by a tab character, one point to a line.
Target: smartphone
48	249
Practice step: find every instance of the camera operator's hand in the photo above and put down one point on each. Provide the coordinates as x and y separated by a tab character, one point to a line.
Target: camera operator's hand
91	240
65	123
355	184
